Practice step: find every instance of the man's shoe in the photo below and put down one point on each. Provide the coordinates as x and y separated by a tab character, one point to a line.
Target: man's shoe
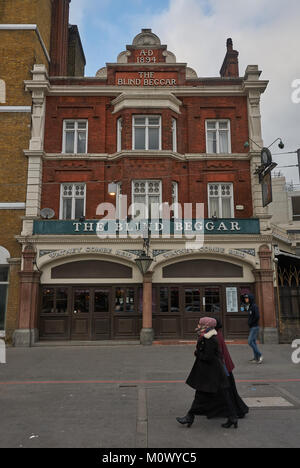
260	361
253	361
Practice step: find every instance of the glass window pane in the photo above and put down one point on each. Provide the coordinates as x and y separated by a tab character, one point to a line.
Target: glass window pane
48	301
139	206
174	299
164	299
154	206
67	208
101	301
139	121
211	125
211	142
81	142
70	142
154	138
70	125
3	274
79	207
130	300
119	300
82	301
226	208
223	137
62	301
214	207
82	125
154	120
192	300
3	295
140	139
212	300
223	125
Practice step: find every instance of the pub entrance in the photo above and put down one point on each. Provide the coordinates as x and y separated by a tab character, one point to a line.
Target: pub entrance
177	309
90	313
105	312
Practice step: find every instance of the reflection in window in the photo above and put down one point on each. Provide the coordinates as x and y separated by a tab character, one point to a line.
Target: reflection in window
48	301
212	300
62	301
192	300
82	301
174	300
119	300
101	301
163	299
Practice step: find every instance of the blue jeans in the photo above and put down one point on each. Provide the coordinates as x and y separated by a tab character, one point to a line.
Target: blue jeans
252	342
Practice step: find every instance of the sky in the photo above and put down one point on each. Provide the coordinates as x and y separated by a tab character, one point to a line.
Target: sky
265	32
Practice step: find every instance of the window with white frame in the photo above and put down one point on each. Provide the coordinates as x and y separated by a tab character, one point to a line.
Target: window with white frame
119	134
174	135
72	204
146	132
3	294
175	198
218	136
220	200
75	136
148	194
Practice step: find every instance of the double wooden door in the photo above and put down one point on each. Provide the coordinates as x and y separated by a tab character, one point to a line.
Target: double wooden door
90	312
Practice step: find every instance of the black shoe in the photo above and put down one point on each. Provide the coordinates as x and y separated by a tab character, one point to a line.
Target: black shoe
229	423
188	419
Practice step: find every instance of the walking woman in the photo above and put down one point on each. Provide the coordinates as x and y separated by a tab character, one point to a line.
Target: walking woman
240	406
208	375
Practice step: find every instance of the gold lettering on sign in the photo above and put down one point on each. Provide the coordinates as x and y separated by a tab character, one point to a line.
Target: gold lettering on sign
147	79
146	56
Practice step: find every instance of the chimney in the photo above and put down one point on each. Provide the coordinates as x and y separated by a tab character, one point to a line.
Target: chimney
230	67
59	37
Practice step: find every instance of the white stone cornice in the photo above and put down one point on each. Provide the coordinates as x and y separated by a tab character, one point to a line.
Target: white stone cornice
27	27
9	109
150	98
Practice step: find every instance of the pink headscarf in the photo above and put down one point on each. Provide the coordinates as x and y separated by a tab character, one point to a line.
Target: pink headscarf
204	324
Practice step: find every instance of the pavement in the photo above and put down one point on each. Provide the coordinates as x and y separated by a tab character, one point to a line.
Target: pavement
128	396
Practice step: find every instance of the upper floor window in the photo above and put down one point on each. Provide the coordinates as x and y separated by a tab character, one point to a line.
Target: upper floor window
148	194
296	208
174	135
218	136
220	201
72	203
119	134
146	132
75	136
175	198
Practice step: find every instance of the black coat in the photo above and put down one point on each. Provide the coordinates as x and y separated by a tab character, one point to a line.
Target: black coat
208	373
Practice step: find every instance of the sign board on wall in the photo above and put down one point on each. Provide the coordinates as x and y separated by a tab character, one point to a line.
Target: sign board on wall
232	300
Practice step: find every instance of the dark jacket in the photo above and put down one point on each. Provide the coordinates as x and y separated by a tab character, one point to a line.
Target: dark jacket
253	313
208	373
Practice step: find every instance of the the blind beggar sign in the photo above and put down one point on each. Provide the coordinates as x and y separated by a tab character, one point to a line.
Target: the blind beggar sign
144	78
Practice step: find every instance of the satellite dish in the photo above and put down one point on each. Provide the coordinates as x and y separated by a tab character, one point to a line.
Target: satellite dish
47	213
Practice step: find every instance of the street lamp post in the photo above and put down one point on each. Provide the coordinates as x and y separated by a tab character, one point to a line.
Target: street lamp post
144	262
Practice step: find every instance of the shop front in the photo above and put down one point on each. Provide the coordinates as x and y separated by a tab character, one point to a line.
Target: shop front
101	296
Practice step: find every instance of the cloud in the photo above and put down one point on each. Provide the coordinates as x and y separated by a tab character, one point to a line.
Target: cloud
265	32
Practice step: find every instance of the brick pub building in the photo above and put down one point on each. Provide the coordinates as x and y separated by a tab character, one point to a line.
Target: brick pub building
31	32
159	133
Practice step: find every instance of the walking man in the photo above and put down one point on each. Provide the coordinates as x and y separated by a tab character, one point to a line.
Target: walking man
253	322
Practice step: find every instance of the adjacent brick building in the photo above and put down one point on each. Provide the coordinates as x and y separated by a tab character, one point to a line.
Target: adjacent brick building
153	130
27	32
